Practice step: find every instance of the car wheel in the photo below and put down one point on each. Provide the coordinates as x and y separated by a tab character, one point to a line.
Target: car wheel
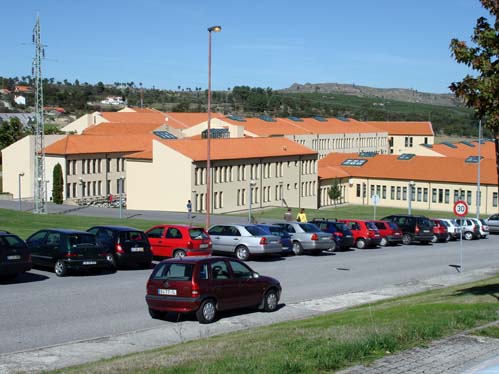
332	248
207	312
242	253
361	243
434	239
156	314
270	301
297	248
407	239
112	261
383	242
60	268
179	253
468	235
447	238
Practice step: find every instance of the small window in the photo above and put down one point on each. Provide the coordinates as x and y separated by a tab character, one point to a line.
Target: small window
240	271
156	232
173	233
203	272
219	270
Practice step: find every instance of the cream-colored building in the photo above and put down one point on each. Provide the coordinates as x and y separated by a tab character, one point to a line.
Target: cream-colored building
406	137
436	182
267	172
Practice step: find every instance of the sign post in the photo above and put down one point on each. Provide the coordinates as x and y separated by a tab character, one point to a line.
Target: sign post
375	201
461	210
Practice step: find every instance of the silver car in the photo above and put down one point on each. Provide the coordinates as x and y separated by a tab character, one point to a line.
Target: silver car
493	223
243	241
469	227
307	237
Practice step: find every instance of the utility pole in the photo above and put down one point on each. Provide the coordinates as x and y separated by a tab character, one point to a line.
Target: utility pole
40	188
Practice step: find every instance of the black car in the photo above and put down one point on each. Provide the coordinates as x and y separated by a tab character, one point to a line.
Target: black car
342	235
15	258
286	241
124	245
65	250
414	228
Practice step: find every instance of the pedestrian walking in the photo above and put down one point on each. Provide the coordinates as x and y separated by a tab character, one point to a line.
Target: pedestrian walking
302	216
189	210
288	215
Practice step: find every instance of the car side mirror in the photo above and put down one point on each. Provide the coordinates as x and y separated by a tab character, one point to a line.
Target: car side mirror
256	275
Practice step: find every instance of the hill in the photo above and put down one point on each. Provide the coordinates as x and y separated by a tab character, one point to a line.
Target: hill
398	94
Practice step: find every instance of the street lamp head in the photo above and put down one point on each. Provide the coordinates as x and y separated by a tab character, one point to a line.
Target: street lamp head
215	28
21	174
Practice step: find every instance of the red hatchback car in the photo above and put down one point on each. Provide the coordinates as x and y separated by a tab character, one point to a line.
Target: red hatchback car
207	285
390	233
179	241
365	233
440	231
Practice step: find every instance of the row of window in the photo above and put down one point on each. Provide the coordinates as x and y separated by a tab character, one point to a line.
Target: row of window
93	166
420	194
348	143
308	188
224	174
92	188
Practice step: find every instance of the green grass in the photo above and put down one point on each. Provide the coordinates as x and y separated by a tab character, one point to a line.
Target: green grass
346	211
490	332
25	223
325	343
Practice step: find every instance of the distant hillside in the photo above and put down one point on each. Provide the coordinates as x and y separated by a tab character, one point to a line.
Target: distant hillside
399	94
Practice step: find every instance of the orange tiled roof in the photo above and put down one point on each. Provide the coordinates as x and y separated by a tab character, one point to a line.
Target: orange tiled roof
89	144
286	126
124	128
186	120
461	150
419	168
237	148
23	88
404	128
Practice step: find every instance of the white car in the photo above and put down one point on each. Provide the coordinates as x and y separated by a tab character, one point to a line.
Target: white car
482	227
453	228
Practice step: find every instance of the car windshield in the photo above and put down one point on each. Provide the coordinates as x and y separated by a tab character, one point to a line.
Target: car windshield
172	271
255	230
197	233
309	227
76	239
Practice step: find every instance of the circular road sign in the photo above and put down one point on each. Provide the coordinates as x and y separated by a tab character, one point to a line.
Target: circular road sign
460	208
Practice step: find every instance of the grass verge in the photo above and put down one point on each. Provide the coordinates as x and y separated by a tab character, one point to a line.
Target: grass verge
325	343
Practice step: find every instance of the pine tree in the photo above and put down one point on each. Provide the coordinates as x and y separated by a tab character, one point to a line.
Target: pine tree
58	183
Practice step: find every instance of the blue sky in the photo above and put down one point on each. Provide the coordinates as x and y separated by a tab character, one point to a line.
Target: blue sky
264	43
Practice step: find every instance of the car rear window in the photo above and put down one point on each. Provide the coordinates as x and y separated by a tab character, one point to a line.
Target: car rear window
371	225
11	241
393	226
132	236
76	239
173	271
425	222
198	233
341	226
255	230
278	231
309	227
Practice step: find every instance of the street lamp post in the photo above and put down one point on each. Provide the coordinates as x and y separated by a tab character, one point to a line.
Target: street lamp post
20	176
208	132
250	195
82	184
281	194
409	200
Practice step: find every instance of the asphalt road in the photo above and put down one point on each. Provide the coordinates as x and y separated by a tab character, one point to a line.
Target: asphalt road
41	309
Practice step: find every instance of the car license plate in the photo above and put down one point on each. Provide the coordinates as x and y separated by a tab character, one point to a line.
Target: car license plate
137	249
427	231
274	242
326	238
14	257
163	291
202	246
89	262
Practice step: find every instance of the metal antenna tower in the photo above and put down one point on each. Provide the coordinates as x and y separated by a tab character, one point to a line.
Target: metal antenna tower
40	187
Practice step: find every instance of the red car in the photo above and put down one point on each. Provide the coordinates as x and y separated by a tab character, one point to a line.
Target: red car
440	231
207	285
365	233
390	233
179	241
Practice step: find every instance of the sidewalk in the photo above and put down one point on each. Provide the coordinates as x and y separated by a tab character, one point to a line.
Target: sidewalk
459	354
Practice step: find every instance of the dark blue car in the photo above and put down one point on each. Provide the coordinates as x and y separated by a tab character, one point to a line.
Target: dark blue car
342	235
286	242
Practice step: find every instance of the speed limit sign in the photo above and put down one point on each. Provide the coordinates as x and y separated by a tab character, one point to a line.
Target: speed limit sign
460	208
